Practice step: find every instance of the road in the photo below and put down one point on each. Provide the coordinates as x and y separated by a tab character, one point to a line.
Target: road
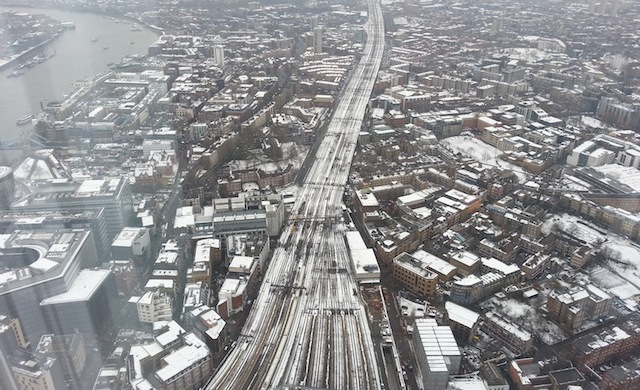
307	327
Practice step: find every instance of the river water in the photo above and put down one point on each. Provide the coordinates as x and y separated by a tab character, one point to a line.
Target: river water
77	57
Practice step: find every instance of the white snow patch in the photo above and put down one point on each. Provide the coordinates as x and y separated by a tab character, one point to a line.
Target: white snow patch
24	169
574	226
605	278
482	152
529	319
592	122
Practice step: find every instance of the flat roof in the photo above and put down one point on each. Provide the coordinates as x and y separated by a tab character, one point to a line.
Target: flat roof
461	314
354	240
241	264
127	236
183	358
159	283
509	327
434	263
497	265
367	199
466	258
413	265
82	289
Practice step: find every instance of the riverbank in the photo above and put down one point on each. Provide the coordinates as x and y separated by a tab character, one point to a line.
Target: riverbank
78	57
17	57
112	14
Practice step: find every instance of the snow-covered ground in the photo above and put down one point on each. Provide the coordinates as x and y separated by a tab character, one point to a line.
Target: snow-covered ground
629	257
291	153
482	152
614	283
527	54
623	276
591	122
573	183
410	308
575	226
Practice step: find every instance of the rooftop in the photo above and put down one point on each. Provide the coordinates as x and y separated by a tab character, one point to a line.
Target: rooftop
461	314
194	352
82	289
128	236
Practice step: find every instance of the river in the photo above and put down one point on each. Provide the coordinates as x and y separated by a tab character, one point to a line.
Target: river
81	53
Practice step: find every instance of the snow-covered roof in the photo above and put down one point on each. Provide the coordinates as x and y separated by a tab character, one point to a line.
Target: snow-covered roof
82	289
194	352
435	263
354	240
461	315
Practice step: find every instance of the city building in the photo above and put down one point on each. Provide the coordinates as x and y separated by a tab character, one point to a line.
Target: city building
51	276
218	55
52	220
209	327
467	290
507	333
466	262
433	263
234	291
153	306
7	187
414	275
37	372
437	353
492	377
110	378
623	377
571	308
174	360
608	343
111	194
133	243
317	40
12	339
125	276
496	275
69	351
229	216
528	374
462	321
87	305
363	259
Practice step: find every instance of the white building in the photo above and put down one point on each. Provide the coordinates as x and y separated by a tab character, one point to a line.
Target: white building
156	145
363	259
153	306
218	55
131	244
232	296
629	158
437	352
174	360
317	40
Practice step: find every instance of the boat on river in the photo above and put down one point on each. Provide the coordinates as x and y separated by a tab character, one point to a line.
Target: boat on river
23	120
16	73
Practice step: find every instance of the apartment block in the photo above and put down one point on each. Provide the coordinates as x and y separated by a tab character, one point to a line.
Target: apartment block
414	275
508	333
571	308
606	344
